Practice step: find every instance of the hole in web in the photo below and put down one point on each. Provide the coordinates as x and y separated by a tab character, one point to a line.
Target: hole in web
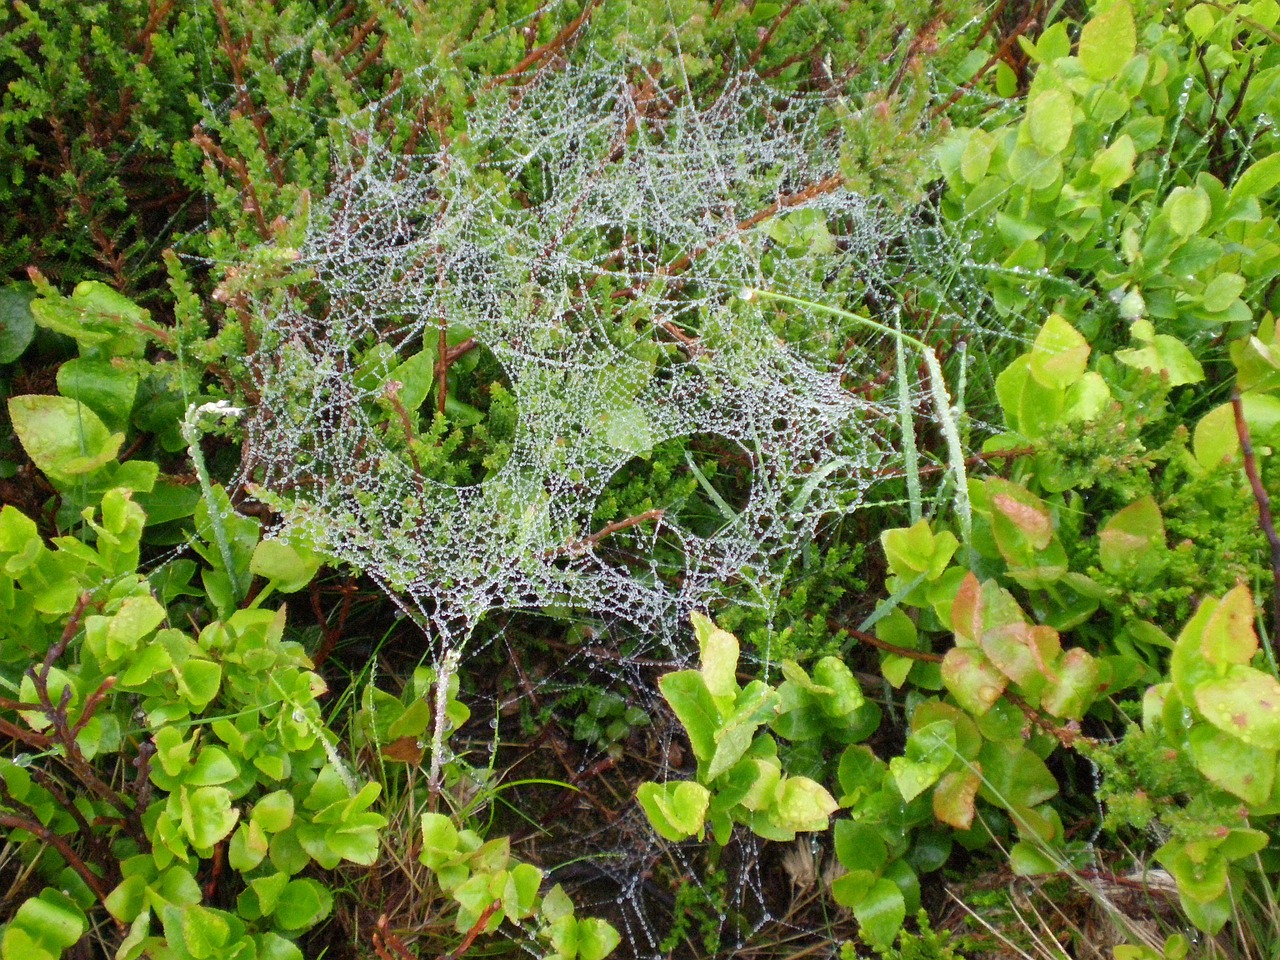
465	436
701	482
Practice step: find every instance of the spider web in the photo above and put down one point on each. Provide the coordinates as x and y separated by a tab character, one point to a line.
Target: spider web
591	231
595	242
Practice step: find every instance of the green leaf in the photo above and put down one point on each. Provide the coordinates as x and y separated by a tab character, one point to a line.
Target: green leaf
1074	686
1108	42
1235	766
686	691
1013	776
1114	165
17	325
596	939
62	437
676	810
880	913
1059	355
274	812
719	658
627	429
101	386
303	904
1188	210
211	768
199	680
439	839
1132	543
1161	354
972	679
1229	636
1200	20
50	922
1027	859
859	846
834	675
207	815
1049	120
520	892
95	316
1222	291
929	751
756	705
288	567
1244	703
915	550
114	638
1216	439
803	805
1262	177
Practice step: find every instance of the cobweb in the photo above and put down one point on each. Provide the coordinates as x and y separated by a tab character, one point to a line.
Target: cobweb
590	233
594	234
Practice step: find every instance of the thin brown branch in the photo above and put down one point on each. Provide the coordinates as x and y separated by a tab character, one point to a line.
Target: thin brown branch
1264	511
588	542
477	928
392	393
213	151
872	640
383	938
1005	50
758	52
548	48
235	56
36	828
442	369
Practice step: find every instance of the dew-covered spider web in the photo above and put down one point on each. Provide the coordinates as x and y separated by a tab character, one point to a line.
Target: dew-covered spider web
585	242
514	370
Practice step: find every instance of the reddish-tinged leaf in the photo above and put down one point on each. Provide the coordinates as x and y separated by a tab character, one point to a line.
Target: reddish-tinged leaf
953	798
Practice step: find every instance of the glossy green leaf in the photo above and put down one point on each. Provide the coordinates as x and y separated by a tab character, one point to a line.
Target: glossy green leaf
303	903
1059	355
1259	179
929	751
1049	120
1188	210
49	922
288	567
62	437
803	805
1108	41
718	651
207	815
686	691
915	550
1132	542
1244	703
1233	765
274	811
17	325
859	846
1229	635
1013	776
1026	859
596	939
1114	165
102	386
676	810
880	913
